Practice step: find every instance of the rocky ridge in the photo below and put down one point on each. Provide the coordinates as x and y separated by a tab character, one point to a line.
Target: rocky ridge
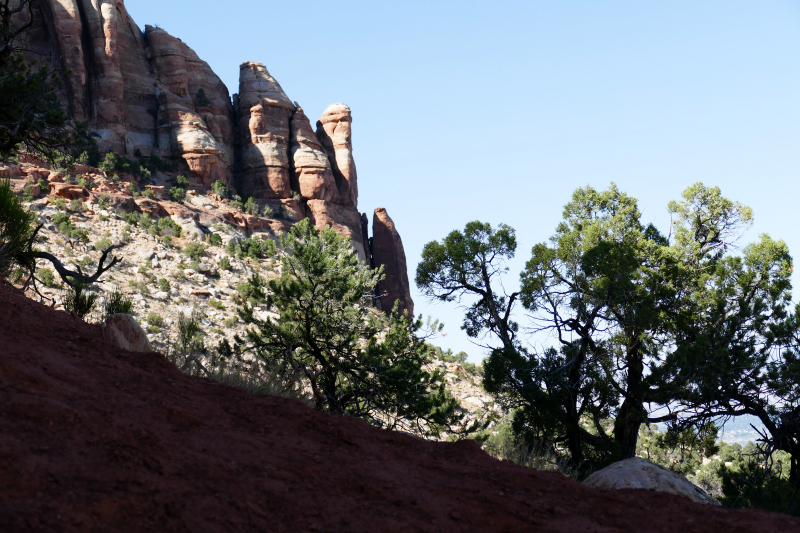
147	93
152	262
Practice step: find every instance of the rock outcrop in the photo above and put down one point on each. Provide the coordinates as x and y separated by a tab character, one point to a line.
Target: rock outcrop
264	113
148	94
123	331
387	250
638	473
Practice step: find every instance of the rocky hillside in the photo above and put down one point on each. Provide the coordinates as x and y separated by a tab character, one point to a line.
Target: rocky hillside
147	93
99	439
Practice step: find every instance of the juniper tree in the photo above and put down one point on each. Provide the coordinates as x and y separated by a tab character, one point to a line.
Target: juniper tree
355	361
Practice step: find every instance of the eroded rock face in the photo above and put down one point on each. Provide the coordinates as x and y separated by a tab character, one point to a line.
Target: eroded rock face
638	473
312	176
387	250
123	331
264	113
334	133
345	219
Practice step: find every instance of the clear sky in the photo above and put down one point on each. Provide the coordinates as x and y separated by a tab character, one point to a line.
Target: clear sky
498	111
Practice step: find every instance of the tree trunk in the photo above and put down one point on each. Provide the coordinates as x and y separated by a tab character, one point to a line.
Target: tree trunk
632	413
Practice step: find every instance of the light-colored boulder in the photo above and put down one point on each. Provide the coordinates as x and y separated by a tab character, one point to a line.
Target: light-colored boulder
638	473
123	331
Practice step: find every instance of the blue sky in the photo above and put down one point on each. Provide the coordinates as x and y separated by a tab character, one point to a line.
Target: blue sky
498	111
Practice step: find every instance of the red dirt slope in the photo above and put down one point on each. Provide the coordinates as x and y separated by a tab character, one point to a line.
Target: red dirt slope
96	439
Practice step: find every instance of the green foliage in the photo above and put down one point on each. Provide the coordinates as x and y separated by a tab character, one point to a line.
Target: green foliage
116	303
148	193
154	319
60	203
215	240
177	194
218	187
216	304
182	181
250	206
109	163
133	189
253	289
31	116
104	201
76	206
225	263
631	311
102	244
27	192
253	247
163	285
46	277
322	302
201	99
77	300
195	250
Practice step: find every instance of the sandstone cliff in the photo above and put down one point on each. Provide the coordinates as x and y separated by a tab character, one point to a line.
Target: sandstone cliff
146	93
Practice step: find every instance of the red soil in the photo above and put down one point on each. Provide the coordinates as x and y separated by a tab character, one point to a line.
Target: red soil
98	439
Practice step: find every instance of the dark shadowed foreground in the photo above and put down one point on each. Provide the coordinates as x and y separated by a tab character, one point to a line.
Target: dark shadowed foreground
97	439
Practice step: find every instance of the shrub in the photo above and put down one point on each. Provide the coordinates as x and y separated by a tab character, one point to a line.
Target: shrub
109	163
167	226
230	322
76	205
177	194
27	192
154	319
116	303
215	240
114	179
78	301
225	263
195	250
163	285
132	218
60	203
148	193
134	190
216	304
102	244
201	99
218	187
79	234
16	229
168	240
46	277
182	181
250	206
145	221
44	186
104	201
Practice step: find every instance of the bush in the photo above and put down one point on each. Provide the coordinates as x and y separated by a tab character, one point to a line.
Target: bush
132	218
145	221
225	263
167	226
104	201
60	203
218	187
76	205
116	303
195	250
109	163
78	301
177	194
16	229
163	285
102	244
253	247
216	304
47	277
201	99
250	206
148	193
215	240
134	190
182	181
154	319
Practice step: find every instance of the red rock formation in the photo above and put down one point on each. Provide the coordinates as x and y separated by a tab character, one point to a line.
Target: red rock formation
312	175
387	250
96	438
334	133
264	113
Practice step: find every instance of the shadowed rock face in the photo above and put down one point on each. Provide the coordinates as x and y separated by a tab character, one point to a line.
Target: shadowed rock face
387	250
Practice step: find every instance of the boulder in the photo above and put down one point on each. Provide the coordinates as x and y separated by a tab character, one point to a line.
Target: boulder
387	250
638	473
123	331
70	192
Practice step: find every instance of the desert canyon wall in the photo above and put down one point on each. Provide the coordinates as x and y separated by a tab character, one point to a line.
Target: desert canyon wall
146	93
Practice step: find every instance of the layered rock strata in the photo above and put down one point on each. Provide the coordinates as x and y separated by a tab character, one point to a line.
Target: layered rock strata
148	93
